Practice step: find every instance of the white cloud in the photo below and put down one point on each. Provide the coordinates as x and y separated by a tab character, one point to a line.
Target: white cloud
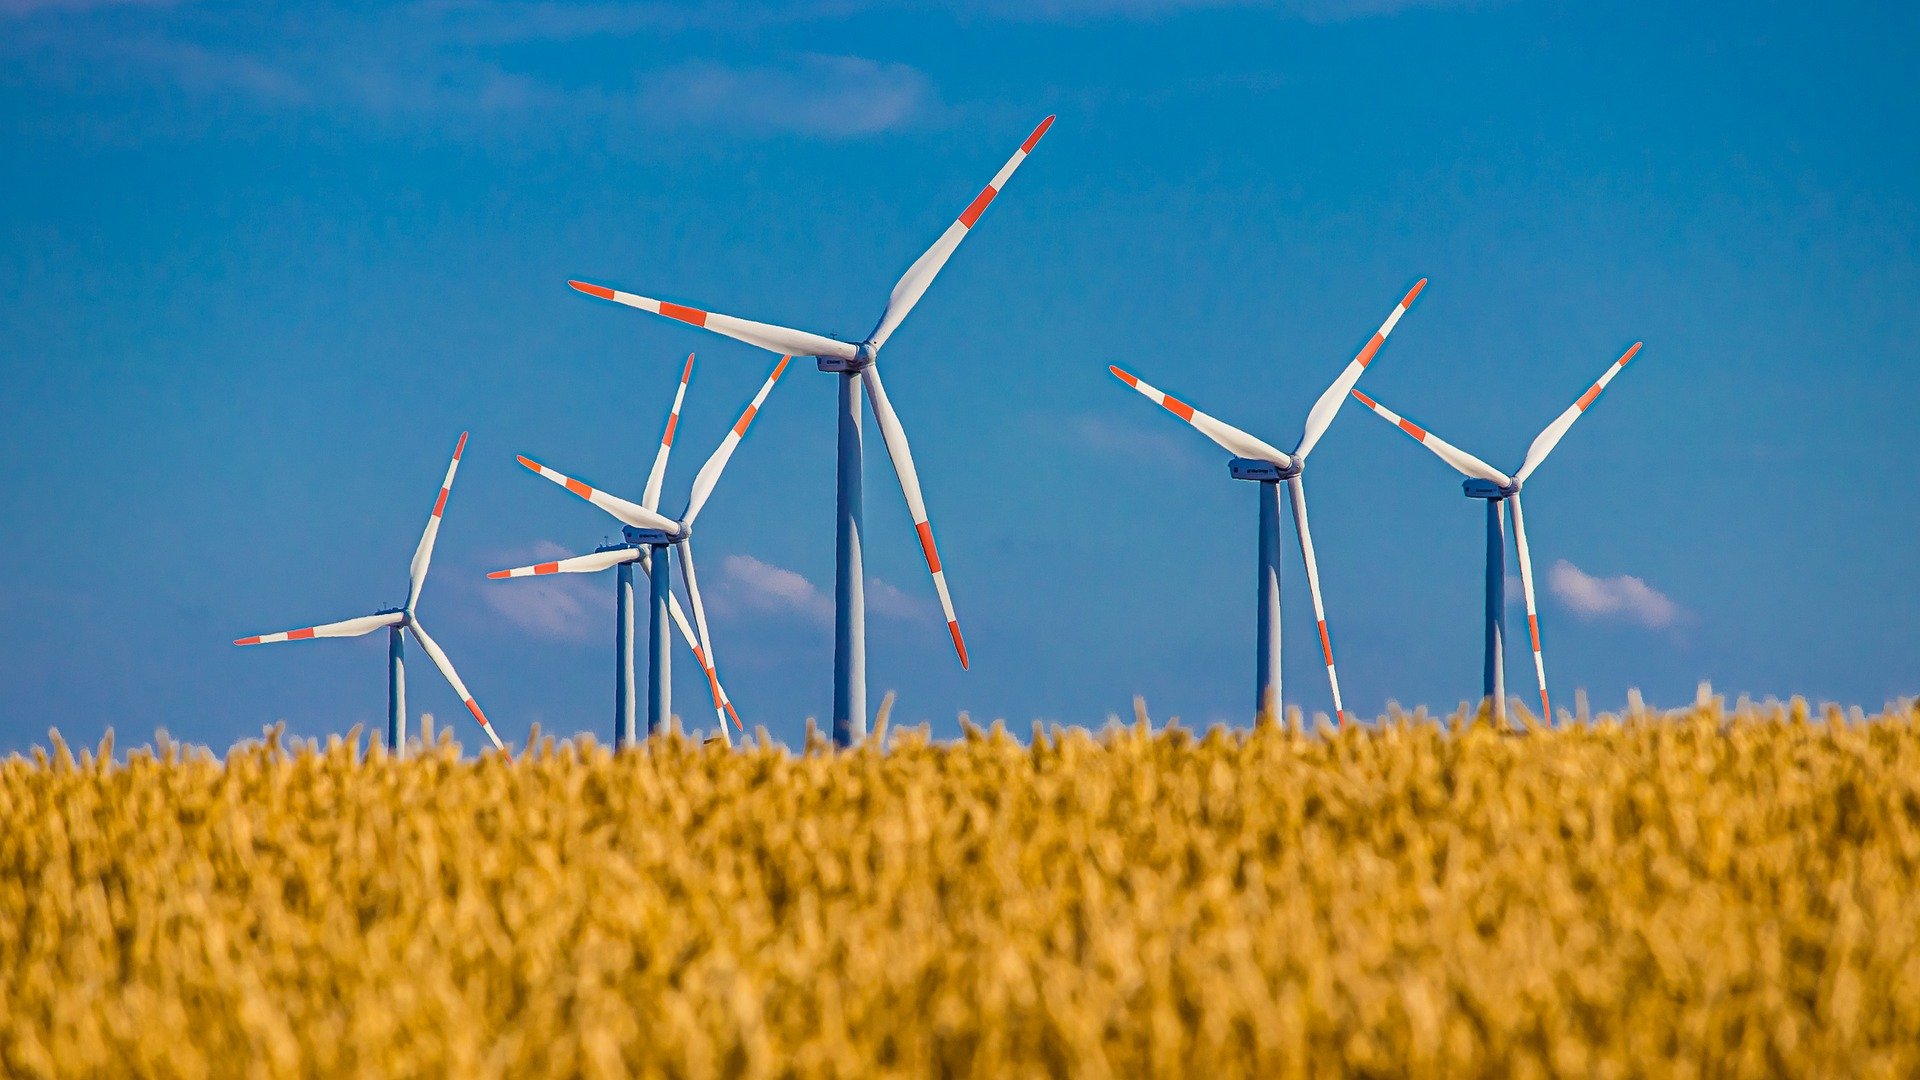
747	586
836	96
1622	597
563	607
888	602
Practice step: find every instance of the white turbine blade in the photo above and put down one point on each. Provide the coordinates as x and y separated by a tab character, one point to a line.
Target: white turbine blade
1329	404
685	550
1544	443
631	513
709	474
913	284
651	497
1464	463
679	616
579	564
439	658
772	338
902	455
366	624
1299	494
1225	435
1533	618
423	555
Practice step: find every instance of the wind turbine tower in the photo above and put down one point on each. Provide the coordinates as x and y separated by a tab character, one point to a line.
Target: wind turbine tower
857	365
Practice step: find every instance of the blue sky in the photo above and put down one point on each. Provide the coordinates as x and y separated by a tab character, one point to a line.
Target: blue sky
260	265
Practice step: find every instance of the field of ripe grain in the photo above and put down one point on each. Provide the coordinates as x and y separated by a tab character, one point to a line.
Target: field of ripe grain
1701	894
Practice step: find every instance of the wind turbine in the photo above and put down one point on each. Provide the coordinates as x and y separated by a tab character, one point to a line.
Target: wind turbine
622	556
648	528
1261	462
855	362
1498	489
397	620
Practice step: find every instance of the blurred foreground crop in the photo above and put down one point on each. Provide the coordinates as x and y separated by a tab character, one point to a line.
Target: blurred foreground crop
1696	894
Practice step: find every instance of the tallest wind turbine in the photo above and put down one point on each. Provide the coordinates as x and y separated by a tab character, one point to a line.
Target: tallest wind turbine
856	363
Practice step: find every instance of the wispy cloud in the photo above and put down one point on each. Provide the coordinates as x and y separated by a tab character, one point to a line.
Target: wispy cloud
1622	597
465	60
747	586
840	96
563	607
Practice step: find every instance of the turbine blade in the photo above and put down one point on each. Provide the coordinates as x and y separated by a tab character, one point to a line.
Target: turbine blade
1225	435
651	497
913	284
1544	443
1299	494
1533	617
631	513
423	555
1325	409
685	549
579	564
439	658
1463	463
709	474
772	338
902	455
679	616
366	624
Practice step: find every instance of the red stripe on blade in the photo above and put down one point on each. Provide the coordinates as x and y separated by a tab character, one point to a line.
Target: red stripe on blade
978	206
300	635
1586	399
1413	429
673	421
460	447
1533	624
926	545
1365	400
600	291
1373	346
1033	140
474	708
247	641
1413	292
959	643
547	568
579	489
1326	644
501	574
1177	407
684	314
440	504
1123	376
746	418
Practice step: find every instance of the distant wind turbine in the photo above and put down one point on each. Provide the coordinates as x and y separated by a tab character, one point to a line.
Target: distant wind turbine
664	603
401	619
1498	489
1259	461
856	364
648	528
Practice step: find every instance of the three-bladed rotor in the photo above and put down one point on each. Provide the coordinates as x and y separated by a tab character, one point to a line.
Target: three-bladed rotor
1287	466
1506	488
644	516
405	617
861	356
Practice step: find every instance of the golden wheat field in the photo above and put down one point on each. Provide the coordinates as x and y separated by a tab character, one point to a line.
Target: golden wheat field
1695	894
